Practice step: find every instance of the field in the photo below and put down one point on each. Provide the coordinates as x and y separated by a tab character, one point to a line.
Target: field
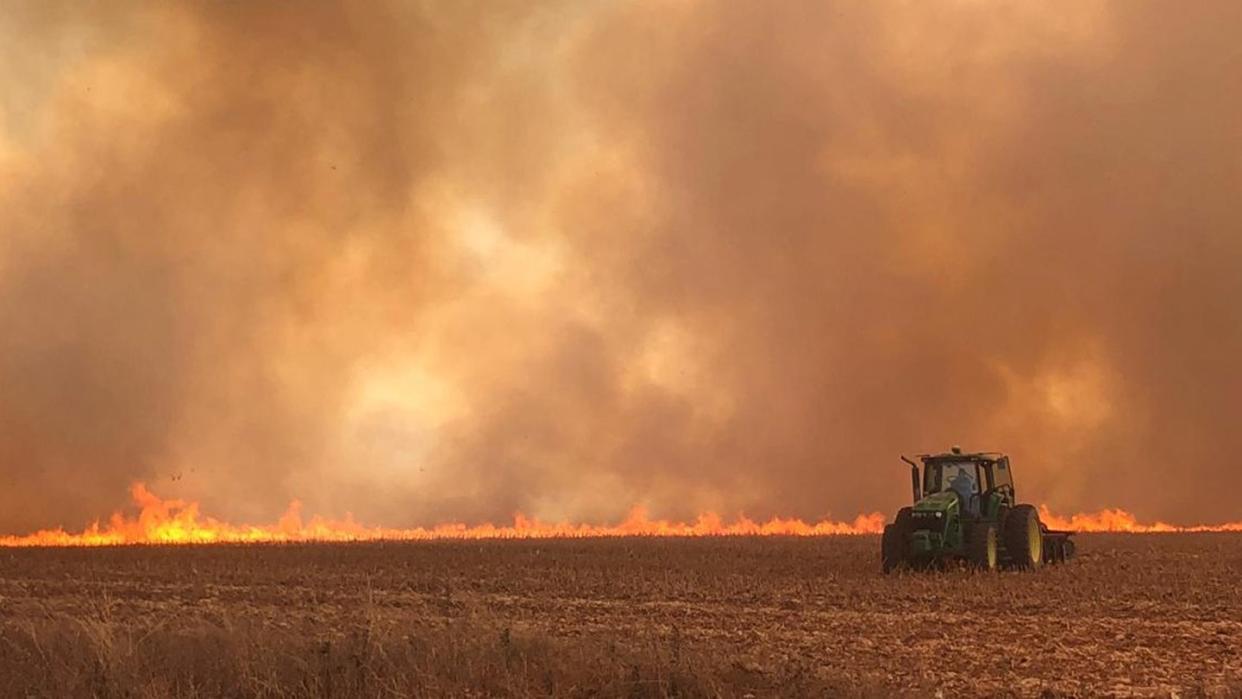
1148	615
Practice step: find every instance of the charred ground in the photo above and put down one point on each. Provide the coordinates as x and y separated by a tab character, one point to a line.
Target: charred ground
1135	614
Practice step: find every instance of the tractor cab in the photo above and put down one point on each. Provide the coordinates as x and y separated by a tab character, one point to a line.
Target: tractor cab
982	481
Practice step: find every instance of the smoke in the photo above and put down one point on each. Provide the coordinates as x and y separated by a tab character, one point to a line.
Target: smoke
429	261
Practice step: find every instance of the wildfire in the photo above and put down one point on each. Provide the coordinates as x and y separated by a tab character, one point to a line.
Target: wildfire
180	522
1115	520
162	521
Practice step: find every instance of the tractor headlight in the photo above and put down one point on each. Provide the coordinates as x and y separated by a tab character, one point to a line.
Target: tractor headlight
939	514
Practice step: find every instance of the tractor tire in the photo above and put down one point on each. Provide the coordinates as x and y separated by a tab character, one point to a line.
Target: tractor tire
895	544
892	549
1024	539
904	517
983	547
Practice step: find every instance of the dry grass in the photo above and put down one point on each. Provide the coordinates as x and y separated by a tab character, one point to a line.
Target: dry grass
97	658
1152	615
205	660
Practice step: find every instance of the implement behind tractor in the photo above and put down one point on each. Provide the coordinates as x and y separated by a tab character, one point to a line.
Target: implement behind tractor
965	508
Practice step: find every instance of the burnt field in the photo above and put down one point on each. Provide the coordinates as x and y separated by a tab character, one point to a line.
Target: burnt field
1150	615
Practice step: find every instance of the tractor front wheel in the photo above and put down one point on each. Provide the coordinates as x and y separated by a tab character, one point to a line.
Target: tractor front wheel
1024	538
895	546
983	547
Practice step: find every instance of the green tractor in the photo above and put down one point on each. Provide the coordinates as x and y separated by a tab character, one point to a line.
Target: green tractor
965	508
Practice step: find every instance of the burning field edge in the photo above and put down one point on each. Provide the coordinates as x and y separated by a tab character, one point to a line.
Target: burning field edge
172	521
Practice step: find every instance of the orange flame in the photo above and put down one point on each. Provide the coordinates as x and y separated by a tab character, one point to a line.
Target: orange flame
1114	520
179	522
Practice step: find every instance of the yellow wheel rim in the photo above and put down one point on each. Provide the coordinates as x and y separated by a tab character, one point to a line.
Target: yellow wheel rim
992	553
1035	542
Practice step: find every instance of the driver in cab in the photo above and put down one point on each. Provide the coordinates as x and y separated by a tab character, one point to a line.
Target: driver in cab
965	485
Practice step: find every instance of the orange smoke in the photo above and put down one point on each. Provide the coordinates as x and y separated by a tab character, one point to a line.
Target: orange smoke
180	522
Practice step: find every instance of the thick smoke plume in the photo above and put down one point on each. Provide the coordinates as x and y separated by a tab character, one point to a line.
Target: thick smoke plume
450	260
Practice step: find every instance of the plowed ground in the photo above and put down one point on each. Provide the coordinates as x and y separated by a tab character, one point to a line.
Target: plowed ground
1149	615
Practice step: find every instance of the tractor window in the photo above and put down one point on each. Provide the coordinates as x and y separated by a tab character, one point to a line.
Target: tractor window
1000	474
962	477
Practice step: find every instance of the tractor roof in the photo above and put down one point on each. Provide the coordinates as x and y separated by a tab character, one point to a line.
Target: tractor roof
956	454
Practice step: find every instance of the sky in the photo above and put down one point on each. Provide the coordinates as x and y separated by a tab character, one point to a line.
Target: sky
430	261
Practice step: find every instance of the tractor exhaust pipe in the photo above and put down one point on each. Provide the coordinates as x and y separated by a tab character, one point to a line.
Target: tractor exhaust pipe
915	485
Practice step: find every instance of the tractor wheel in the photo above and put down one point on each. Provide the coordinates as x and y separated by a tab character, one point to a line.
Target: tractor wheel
904	518
890	551
895	545
983	549
1024	539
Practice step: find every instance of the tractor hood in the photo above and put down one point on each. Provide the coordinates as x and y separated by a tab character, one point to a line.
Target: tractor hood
934	518
937	502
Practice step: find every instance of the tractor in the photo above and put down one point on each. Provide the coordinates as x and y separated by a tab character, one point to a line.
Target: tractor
966	509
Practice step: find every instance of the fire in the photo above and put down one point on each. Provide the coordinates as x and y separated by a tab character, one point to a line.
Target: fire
180	522
162	521
1115	520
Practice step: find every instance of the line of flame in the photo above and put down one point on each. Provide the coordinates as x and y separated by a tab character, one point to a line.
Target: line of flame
179	522
1115	520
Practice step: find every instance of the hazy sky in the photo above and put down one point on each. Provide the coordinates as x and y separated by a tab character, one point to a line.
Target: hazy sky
449	260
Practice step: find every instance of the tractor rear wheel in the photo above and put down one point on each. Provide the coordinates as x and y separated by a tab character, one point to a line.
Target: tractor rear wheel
983	549
1024	538
895	544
